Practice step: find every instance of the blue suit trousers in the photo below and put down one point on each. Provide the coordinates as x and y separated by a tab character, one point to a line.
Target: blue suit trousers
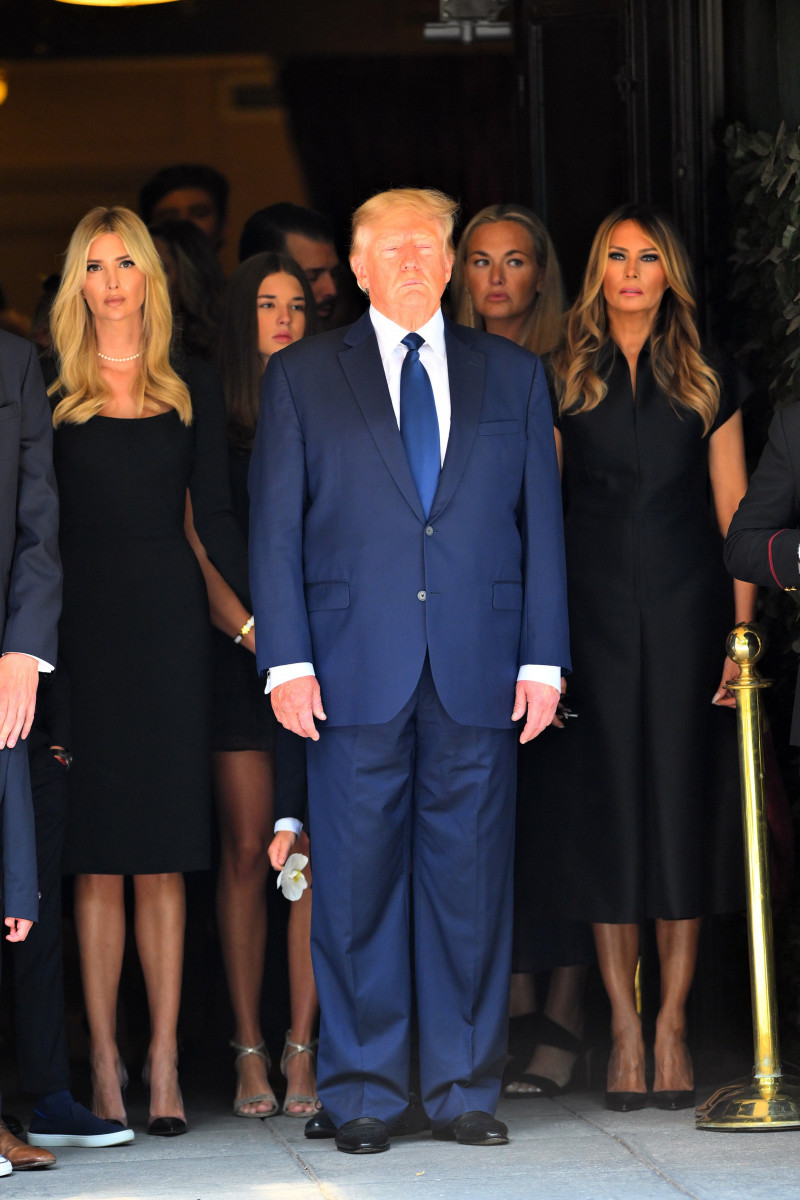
419	801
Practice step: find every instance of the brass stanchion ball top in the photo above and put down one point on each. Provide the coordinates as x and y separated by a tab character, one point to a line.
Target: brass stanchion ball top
745	645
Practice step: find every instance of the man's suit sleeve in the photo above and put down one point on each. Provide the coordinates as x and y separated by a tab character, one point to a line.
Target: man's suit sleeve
20	876
545	637
277	485
34	595
763	538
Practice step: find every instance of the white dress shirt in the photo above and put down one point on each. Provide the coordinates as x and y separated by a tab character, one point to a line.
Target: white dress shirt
434	358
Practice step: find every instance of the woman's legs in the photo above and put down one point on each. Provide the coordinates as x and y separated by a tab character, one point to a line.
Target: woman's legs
100	926
244	789
300	1075
677	952
618	954
159	923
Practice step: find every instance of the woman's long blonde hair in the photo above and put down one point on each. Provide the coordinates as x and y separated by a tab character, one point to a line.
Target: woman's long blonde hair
679	368
543	327
84	391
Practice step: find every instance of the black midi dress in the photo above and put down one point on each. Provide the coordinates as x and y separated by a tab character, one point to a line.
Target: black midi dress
134	634
637	799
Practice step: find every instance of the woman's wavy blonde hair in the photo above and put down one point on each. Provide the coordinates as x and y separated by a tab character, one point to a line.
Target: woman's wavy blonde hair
84	391
544	324
679	368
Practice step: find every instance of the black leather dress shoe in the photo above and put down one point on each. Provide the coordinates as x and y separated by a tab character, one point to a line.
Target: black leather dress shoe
413	1120
474	1129
320	1126
364	1135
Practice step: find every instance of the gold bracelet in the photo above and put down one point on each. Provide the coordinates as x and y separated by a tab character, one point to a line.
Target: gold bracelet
243	632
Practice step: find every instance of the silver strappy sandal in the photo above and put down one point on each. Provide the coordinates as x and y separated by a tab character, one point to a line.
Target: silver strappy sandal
290	1049
261	1097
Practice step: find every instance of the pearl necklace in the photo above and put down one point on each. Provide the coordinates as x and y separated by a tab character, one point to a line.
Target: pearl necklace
127	358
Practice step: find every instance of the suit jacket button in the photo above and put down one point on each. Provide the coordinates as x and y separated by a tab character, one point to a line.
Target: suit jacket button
429	530
421	595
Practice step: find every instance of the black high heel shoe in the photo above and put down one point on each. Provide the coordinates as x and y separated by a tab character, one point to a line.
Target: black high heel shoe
626	1101
547	1033
163	1126
672	1101
122	1077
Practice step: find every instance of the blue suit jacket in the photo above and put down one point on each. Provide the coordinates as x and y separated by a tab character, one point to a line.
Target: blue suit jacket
347	572
30	584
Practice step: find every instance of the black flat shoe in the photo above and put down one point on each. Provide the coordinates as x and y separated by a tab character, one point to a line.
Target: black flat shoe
364	1135
474	1129
167	1126
413	1120
626	1101
673	1101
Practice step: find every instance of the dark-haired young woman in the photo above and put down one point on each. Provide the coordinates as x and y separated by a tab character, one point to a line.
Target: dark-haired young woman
268	305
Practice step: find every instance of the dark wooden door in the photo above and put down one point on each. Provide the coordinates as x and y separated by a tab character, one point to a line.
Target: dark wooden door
616	103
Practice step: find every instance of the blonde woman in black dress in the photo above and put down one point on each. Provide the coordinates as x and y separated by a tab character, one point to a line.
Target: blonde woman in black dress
507	280
133	432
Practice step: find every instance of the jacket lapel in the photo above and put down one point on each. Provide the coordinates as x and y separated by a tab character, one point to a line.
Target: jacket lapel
466	367
361	363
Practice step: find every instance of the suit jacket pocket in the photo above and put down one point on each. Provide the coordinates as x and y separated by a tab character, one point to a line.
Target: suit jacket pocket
329	594
495	427
507	595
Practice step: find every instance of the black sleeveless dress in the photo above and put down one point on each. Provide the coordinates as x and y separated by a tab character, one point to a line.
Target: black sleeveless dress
134	634
635	809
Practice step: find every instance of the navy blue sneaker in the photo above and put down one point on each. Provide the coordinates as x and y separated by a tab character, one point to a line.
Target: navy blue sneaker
59	1120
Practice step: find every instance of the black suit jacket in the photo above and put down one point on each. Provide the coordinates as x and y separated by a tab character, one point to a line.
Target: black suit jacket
764	536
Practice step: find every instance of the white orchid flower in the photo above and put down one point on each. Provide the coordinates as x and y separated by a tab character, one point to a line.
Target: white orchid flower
291	880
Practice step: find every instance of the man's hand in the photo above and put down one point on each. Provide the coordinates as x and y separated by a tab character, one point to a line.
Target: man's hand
18	929
297	703
19	676
539	700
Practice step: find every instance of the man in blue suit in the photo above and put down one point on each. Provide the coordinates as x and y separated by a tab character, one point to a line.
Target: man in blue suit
407	572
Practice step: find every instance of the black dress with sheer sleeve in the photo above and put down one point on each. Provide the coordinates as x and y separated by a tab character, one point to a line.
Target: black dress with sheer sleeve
135	634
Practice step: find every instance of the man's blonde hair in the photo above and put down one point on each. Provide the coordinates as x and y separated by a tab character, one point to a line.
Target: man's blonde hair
428	202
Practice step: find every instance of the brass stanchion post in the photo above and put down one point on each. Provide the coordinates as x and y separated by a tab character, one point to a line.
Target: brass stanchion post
770	1099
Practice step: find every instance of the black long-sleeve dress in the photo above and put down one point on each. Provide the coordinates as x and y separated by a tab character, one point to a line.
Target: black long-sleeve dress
134	633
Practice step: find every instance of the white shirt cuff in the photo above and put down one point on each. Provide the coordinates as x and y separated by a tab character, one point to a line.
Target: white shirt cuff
290	823
44	667
536	673
286	673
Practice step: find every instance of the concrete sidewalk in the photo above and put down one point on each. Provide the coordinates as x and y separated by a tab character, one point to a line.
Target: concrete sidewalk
568	1149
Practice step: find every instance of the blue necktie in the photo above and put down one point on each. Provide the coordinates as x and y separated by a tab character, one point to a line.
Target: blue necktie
419	425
